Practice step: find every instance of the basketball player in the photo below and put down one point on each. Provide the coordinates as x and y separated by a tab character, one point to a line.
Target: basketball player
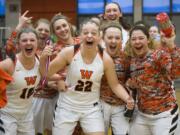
17	115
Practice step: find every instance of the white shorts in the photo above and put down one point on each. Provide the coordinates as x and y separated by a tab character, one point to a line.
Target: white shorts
65	121
43	109
12	126
164	123
114	117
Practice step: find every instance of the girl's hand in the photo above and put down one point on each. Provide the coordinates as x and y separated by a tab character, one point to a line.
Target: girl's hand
23	20
168	41
48	51
61	86
130	103
132	84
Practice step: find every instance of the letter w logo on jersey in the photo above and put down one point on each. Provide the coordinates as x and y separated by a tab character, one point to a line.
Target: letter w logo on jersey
85	74
30	80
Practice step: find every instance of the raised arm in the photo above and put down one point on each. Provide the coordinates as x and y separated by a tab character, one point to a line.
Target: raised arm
23	20
11	48
170	47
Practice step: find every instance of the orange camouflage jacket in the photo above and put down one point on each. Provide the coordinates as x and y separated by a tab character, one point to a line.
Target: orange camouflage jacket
5	79
121	68
154	75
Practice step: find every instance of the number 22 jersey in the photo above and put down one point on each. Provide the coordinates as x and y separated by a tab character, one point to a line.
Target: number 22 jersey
83	81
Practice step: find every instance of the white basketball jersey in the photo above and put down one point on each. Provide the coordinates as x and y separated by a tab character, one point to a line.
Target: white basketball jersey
20	90
83	81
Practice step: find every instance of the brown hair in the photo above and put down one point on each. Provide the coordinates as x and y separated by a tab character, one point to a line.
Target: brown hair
41	20
89	21
58	17
110	25
141	28
121	20
27	30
